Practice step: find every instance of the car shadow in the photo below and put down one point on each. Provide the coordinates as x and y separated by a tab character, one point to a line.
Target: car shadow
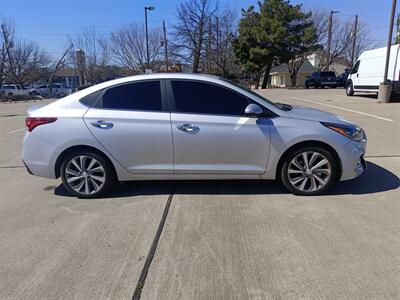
375	180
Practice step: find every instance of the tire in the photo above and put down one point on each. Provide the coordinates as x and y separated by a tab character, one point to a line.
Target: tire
334	87
349	89
307	86
93	182
10	94
306	182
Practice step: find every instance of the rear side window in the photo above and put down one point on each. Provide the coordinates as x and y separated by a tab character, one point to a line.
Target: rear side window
91	99
206	98
142	96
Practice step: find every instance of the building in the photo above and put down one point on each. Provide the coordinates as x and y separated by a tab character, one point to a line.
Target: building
68	77
280	76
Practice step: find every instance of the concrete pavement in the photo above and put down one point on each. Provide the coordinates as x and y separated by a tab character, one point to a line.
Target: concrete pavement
221	240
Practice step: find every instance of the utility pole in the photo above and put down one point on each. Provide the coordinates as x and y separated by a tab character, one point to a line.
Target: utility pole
165	45
385	88
330	36
146	8
354	40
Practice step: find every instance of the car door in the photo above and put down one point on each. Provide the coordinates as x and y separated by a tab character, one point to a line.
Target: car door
129	121
211	134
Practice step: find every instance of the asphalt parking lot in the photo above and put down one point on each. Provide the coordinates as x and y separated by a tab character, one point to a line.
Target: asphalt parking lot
220	240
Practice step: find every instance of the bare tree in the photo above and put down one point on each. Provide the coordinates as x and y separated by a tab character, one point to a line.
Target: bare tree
6	43
60	63
363	41
26	62
224	28
96	54
190	34
341	37
129	47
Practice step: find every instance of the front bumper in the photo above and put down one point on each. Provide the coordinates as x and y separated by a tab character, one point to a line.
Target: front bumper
352	156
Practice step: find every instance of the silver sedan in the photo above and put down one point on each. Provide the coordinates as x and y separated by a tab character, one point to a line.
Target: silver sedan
181	126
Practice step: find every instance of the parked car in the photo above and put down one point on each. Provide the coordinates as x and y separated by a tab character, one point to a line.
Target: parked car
57	90
368	71
33	91
342	79
321	79
13	90
181	126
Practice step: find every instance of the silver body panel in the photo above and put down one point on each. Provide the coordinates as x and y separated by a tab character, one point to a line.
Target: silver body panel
170	145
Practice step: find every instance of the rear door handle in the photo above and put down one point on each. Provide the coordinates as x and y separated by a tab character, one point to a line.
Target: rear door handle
103	124
189	128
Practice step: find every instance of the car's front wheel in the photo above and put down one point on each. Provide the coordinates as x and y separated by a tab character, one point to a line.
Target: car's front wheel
309	171
86	174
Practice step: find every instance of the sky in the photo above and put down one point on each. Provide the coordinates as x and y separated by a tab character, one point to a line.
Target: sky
50	22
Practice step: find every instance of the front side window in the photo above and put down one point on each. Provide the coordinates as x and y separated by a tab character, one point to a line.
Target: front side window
142	96
206	98
355	68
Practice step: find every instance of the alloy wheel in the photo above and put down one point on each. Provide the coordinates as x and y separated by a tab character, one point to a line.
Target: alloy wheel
309	171
85	175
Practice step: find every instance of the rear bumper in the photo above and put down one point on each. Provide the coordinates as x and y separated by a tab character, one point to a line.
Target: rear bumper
36	156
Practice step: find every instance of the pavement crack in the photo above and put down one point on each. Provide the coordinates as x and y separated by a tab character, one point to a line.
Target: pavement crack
142	279
11	167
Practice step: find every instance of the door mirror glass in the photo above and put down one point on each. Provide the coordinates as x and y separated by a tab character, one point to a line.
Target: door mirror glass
253	110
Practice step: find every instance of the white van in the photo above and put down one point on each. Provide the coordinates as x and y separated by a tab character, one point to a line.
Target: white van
367	72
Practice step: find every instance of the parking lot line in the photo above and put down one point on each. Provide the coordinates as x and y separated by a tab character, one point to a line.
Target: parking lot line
17	130
346	109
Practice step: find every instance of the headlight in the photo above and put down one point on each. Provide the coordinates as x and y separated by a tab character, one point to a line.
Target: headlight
351	131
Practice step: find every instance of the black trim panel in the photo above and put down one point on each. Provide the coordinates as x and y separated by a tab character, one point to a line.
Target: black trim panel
366	87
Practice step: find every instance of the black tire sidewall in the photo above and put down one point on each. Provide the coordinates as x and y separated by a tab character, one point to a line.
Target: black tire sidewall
335	165
349	86
110	176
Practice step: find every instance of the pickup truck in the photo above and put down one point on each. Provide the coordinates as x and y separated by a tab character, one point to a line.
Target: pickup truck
56	90
13	90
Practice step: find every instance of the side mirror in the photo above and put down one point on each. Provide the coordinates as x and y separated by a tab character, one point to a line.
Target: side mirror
253	110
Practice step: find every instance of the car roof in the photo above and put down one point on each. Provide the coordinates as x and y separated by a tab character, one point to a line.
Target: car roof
122	80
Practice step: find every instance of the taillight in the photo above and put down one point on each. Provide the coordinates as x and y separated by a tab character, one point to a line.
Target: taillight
31	123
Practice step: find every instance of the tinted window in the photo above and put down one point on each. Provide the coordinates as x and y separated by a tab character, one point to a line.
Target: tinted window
355	69
328	74
91	99
134	96
315	74
206	98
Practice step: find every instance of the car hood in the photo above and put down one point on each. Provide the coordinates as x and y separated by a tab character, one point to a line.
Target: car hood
311	114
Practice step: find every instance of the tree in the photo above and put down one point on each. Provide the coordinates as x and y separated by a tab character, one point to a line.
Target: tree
189	39
27	59
6	43
62	62
129	47
223	33
307	43
271	35
246	45
95	56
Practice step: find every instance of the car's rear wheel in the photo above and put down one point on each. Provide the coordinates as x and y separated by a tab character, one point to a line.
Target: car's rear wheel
349	89
309	171
86	174
307	86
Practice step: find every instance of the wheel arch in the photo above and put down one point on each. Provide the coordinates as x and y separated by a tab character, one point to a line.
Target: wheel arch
66	151
309	143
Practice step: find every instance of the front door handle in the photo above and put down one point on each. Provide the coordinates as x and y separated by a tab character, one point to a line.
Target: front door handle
102	124
189	128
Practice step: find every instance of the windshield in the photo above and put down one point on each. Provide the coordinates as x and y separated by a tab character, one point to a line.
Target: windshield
280	106
249	91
